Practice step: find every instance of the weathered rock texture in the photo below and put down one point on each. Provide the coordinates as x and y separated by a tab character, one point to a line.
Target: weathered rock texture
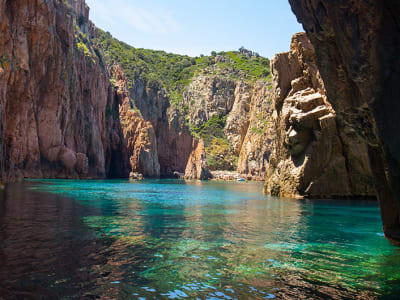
357	45
139	137
207	96
55	94
174	142
247	107
197	167
315	153
257	143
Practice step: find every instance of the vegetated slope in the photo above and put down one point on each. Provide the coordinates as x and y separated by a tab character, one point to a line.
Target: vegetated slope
191	83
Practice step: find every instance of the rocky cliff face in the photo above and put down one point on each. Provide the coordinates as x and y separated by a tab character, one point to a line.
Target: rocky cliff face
207	96
139	138
174	142
55	94
257	143
315	154
357	45
246	106
197	167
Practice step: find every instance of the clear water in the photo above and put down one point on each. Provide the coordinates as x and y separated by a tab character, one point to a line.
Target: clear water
167	239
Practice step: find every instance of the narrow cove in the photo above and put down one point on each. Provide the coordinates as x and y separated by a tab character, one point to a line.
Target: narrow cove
160	239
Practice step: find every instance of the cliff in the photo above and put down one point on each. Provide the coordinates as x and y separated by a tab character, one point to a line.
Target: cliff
139	137
314	154
232	116
58	108
258	139
357	45
188	99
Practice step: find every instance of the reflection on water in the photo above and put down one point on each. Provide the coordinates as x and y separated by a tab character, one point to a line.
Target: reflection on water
166	239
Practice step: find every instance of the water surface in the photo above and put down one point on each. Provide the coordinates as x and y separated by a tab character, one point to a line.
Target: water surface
168	239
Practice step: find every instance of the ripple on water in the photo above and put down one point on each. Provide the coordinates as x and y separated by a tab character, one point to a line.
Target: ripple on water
177	240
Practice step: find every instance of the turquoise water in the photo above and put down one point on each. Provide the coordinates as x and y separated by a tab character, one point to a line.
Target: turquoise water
170	239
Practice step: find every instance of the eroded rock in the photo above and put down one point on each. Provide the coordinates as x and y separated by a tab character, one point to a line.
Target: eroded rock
310	157
357	45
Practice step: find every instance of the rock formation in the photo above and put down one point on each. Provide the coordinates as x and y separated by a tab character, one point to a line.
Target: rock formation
357	45
209	95
315	154
197	167
139	137
174	141
55	93
247	109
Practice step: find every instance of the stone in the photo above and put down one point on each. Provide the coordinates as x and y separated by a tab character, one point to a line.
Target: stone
135	176
357	45
197	167
310	157
56	97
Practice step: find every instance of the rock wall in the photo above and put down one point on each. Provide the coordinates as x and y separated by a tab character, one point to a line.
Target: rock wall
209	95
139	138
55	94
257	143
174	142
357	44
247	106
315	153
197	167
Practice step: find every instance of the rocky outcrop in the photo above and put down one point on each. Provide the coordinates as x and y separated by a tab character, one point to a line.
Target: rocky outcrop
209	95
357	45
237	122
55	93
314	152
247	108
139	137
225	175
257	144
175	143
197	167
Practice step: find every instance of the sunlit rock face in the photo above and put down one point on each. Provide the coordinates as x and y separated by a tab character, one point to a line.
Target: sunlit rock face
256	145
357	45
247	107
314	154
197	167
56	99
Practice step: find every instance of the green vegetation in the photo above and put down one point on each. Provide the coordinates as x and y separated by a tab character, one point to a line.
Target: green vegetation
213	128
174	72
219	152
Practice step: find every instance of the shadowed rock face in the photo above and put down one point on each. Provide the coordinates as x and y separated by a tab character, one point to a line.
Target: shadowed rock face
58	108
314	154
174	142
357	45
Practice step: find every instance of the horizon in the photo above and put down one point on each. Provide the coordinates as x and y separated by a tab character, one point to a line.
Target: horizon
181	28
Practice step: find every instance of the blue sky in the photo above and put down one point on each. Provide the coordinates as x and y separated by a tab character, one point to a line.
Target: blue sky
198	27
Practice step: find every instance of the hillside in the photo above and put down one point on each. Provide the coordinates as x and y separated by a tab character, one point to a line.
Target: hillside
192	84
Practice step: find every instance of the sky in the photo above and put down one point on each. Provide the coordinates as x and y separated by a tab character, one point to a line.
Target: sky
198	27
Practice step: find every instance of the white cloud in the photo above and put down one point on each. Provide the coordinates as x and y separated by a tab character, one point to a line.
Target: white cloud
133	16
